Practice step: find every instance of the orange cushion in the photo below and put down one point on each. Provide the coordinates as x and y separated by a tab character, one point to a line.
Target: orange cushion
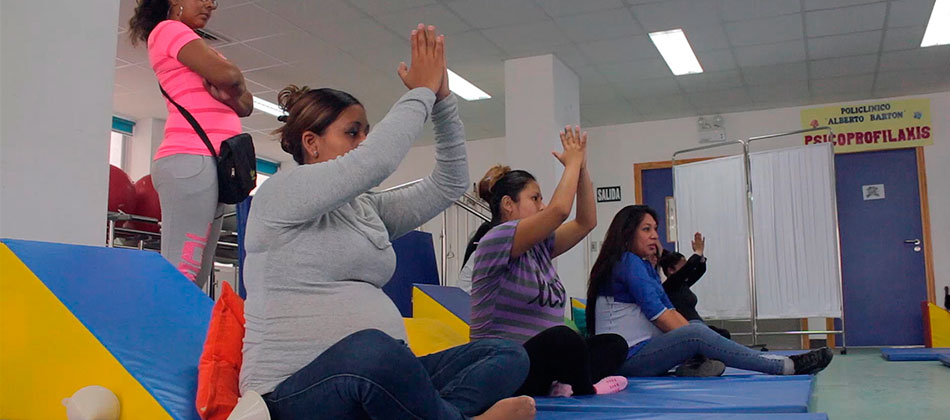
220	364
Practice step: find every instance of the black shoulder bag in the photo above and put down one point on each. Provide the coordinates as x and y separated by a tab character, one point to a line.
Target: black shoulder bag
237	164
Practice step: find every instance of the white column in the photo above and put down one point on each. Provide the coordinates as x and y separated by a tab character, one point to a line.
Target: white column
541	97
55	116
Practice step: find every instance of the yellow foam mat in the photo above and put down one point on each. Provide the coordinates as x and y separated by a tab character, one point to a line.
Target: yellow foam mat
423	306
46	354
939	326
427	336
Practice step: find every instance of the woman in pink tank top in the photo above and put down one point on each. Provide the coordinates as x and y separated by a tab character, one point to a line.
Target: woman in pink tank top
213	90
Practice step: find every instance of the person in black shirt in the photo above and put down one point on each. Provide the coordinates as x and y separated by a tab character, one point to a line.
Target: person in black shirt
681	274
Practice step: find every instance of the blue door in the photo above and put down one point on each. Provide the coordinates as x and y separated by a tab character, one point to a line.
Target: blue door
657	185
884	276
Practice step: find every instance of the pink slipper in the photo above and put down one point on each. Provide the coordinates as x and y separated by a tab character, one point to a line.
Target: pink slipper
611	385
561	390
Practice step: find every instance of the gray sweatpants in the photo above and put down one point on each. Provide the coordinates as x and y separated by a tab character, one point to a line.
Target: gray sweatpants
187	188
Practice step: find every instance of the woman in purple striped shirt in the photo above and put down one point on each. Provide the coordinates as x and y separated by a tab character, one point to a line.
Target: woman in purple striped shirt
516	292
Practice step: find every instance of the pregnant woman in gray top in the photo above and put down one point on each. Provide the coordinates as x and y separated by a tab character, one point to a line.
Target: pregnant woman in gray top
323	340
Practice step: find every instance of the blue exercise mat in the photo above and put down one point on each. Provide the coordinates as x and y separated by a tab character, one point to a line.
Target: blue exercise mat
737	394
566	415
945	359
913	355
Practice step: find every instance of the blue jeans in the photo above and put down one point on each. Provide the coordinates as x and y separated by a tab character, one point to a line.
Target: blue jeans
370	375
666	351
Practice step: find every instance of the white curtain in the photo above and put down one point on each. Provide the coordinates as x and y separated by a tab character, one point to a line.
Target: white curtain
710	198
796	241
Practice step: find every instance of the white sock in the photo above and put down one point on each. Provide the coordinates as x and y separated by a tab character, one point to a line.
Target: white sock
789	368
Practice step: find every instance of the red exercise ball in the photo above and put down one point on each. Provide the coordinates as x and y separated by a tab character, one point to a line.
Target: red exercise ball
146	204
121	191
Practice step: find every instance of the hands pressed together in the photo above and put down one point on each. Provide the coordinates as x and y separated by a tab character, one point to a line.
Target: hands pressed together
427	66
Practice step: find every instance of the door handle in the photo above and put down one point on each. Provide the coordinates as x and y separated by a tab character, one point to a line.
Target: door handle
912	241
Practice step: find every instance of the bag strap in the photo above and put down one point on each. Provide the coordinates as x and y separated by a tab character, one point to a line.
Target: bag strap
191	120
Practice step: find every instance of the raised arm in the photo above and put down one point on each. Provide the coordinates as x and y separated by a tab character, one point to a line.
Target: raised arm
309	191
405	209
570	233
539	226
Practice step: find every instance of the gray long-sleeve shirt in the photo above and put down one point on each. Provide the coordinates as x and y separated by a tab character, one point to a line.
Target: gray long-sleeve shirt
318	244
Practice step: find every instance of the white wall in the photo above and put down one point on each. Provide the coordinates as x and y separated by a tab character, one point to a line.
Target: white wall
147	136
56	107
614	150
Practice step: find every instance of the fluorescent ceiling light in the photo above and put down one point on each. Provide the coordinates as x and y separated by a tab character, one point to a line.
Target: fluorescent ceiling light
465	89
268	107
675	49
938	29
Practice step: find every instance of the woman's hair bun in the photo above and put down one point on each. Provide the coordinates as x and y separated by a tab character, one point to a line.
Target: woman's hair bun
289	96
488	181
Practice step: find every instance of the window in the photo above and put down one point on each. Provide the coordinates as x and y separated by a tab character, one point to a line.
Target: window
117	150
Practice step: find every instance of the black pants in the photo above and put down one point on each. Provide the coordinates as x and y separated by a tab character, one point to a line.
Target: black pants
561	354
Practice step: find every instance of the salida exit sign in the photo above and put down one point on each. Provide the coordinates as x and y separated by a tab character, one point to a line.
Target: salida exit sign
607	194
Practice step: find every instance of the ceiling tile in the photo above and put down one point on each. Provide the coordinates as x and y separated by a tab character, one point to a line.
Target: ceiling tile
903	38
664	107
470	46
589	75
128	53
402	22
639	89
832	4
136	78
909	13
845	20
913	79
717	60
276	78
765	31
718	101
256	88
782	73
848	85
487	75
290	47
704	82
570	55
844	45
558	8
247	58
706	38
246	22
527	39
620	50
607	113
360	35
764	55
835	67
381	7
598	26
632	71
307	14
261	122
598	93
672	14
920	58
780	92
491	13
732	10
